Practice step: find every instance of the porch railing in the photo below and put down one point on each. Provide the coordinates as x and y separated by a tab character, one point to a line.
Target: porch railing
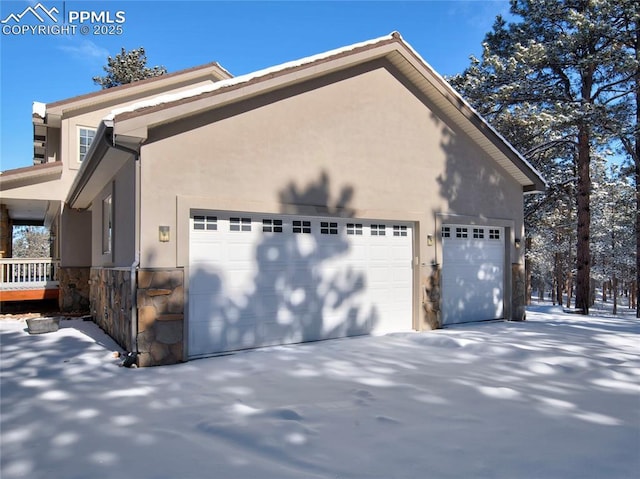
28	273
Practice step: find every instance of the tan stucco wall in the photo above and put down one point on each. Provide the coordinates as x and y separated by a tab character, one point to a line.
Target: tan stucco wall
75	238
122	191
360	145
373	140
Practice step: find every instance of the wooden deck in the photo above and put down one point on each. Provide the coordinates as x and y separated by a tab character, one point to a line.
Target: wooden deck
28	294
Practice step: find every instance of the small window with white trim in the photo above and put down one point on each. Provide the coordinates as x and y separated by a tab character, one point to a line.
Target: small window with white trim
462	232
378	230
85	137
354	229
328	228
494	234
271	226
240	224
399	230
300	226
446	232
478	233
107	225
205	223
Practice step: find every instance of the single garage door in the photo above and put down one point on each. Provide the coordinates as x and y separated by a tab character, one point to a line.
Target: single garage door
258	280
472	273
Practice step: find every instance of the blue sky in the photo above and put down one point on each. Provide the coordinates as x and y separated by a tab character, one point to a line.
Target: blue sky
242	36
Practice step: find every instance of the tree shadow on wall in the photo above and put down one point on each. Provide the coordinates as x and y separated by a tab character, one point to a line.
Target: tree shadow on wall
472	185
301	289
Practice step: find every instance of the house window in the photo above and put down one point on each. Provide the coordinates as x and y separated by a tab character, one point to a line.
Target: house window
209	223
302	226
478	233
85	136
446	232
107	225
354	229
399	230
240	224
494	234
462	232
327	228
378	230
271	226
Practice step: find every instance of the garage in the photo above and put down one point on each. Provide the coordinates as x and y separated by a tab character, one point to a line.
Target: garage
472	273
257	279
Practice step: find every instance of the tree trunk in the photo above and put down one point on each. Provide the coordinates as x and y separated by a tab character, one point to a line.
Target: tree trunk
637	162
527	273
614	291
556	293
604	291
569	288
583	248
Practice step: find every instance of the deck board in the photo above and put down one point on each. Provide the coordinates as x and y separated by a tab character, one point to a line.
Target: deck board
28	294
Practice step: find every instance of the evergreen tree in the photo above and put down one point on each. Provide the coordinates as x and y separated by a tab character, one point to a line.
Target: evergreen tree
569	64
31	242
127	67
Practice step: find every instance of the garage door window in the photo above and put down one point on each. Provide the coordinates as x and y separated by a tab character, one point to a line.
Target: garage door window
378	230
478	233
494	234
446	232
209	223
271	226
302	226
462	233
399	230
328	228
354	229
240	224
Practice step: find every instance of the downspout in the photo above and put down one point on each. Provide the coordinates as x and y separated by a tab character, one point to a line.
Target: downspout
136	262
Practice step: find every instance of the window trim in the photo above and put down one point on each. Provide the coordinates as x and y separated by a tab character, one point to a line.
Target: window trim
107	225
81	156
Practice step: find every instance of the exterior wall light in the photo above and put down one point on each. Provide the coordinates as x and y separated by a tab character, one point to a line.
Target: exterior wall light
429	240
164	234
517	243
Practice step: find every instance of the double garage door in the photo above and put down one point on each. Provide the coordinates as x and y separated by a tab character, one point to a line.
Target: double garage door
472	273
258	280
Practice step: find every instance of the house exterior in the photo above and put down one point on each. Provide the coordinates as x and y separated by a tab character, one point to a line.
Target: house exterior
348	193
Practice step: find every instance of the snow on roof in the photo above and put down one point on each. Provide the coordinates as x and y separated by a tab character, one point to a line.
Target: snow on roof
39	109
193	92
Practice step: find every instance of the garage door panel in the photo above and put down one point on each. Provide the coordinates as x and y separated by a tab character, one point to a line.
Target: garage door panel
472	273
255	288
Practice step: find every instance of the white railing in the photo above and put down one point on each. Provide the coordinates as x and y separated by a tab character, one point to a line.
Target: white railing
28	273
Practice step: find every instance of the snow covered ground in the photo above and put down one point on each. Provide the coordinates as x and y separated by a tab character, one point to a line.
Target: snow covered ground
557	396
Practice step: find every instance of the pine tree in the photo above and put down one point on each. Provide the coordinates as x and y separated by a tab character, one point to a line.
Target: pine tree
31	242
569	62
127	67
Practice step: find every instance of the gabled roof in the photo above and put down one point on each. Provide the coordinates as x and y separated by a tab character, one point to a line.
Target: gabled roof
132	123
119	93
137	118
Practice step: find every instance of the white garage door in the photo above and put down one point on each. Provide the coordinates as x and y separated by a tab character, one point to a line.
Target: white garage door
258	280
472	273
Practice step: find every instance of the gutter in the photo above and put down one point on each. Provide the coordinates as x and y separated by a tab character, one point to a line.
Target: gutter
94	156
136	262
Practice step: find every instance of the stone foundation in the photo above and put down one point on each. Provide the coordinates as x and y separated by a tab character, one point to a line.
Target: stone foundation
518	292
111	304
160	300
74	296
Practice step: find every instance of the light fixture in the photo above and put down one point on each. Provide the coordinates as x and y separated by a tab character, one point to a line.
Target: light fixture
164	234
429	240
517	243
